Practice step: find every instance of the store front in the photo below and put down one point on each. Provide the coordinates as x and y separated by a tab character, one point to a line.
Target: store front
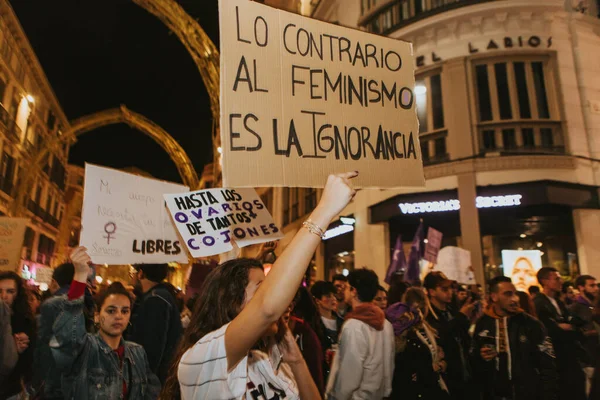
339	248
526	216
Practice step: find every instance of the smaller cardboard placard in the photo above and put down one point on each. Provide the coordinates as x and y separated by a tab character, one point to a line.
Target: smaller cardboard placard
44	275
210	220
12	233
434	243
124	219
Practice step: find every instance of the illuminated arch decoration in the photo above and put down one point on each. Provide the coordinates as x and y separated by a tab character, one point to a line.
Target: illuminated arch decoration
206	56
203	51
97	120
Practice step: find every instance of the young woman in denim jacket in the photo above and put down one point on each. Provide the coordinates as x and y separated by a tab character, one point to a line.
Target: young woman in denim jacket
101	366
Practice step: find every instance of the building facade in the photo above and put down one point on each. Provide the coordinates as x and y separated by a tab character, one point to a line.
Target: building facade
508	100
29	116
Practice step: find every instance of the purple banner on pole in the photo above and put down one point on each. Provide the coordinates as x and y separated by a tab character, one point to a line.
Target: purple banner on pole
413	271
398	262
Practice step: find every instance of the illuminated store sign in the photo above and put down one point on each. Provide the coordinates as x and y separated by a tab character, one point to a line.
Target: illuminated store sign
453	205
337	231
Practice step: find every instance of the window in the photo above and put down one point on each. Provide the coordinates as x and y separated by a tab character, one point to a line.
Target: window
522	92
483	89
310	200
489	139
14	107
2	90
49	199
295	204
430	112
267	199
528	138
540	89
55	210
440	147
430	109
286	205
8	170
516	105
387	20
547	138
425	150
503	91
508	139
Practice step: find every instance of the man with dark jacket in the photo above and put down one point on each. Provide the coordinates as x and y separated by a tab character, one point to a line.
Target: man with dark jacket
513	357
566	338
453	332
583	309
155	321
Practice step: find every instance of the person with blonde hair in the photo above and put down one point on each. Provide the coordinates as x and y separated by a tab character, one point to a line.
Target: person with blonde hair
419	367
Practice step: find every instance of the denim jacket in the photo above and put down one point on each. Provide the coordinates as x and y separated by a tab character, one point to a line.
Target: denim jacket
46	377
90	368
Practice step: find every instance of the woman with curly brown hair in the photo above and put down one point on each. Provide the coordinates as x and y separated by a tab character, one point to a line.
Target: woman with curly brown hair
14	293
238	308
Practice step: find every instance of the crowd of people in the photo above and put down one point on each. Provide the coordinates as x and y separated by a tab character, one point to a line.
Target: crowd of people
251	336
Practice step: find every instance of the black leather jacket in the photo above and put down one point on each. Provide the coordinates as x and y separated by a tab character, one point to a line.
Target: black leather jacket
533	368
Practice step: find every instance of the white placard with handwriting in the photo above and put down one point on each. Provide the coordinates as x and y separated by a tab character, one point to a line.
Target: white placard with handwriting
125	221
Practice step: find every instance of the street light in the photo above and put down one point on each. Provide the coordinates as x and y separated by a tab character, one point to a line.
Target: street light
30	99
420	89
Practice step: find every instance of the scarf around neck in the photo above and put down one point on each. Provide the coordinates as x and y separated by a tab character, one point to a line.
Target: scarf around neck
368	313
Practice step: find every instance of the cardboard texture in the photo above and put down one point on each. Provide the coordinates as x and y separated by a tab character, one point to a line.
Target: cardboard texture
434	242
301	99
12	234
43	275
455	263
209	220
125	221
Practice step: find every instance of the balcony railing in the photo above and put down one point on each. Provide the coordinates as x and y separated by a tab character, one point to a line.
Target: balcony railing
44	215
436	159
520	137
8	124
393	15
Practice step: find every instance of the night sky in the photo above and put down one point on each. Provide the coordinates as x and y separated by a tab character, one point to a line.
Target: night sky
99	54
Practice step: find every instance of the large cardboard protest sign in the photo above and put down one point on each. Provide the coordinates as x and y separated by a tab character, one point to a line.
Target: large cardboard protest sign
210	220
125	221
301	99
12	233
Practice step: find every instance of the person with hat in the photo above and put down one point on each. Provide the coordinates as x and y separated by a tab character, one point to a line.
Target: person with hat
453	331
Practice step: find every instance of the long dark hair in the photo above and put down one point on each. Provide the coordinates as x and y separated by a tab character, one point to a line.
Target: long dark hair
20	307
306	309
220	301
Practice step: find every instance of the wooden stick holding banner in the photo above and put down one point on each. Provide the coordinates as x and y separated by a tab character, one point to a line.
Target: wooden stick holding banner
214	221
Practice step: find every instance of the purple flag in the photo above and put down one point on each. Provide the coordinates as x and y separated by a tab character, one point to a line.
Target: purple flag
413	271
398	262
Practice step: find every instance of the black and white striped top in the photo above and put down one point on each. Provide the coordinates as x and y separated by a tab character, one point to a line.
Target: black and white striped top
203	374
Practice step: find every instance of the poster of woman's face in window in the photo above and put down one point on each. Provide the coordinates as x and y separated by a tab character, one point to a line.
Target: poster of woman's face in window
522	266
